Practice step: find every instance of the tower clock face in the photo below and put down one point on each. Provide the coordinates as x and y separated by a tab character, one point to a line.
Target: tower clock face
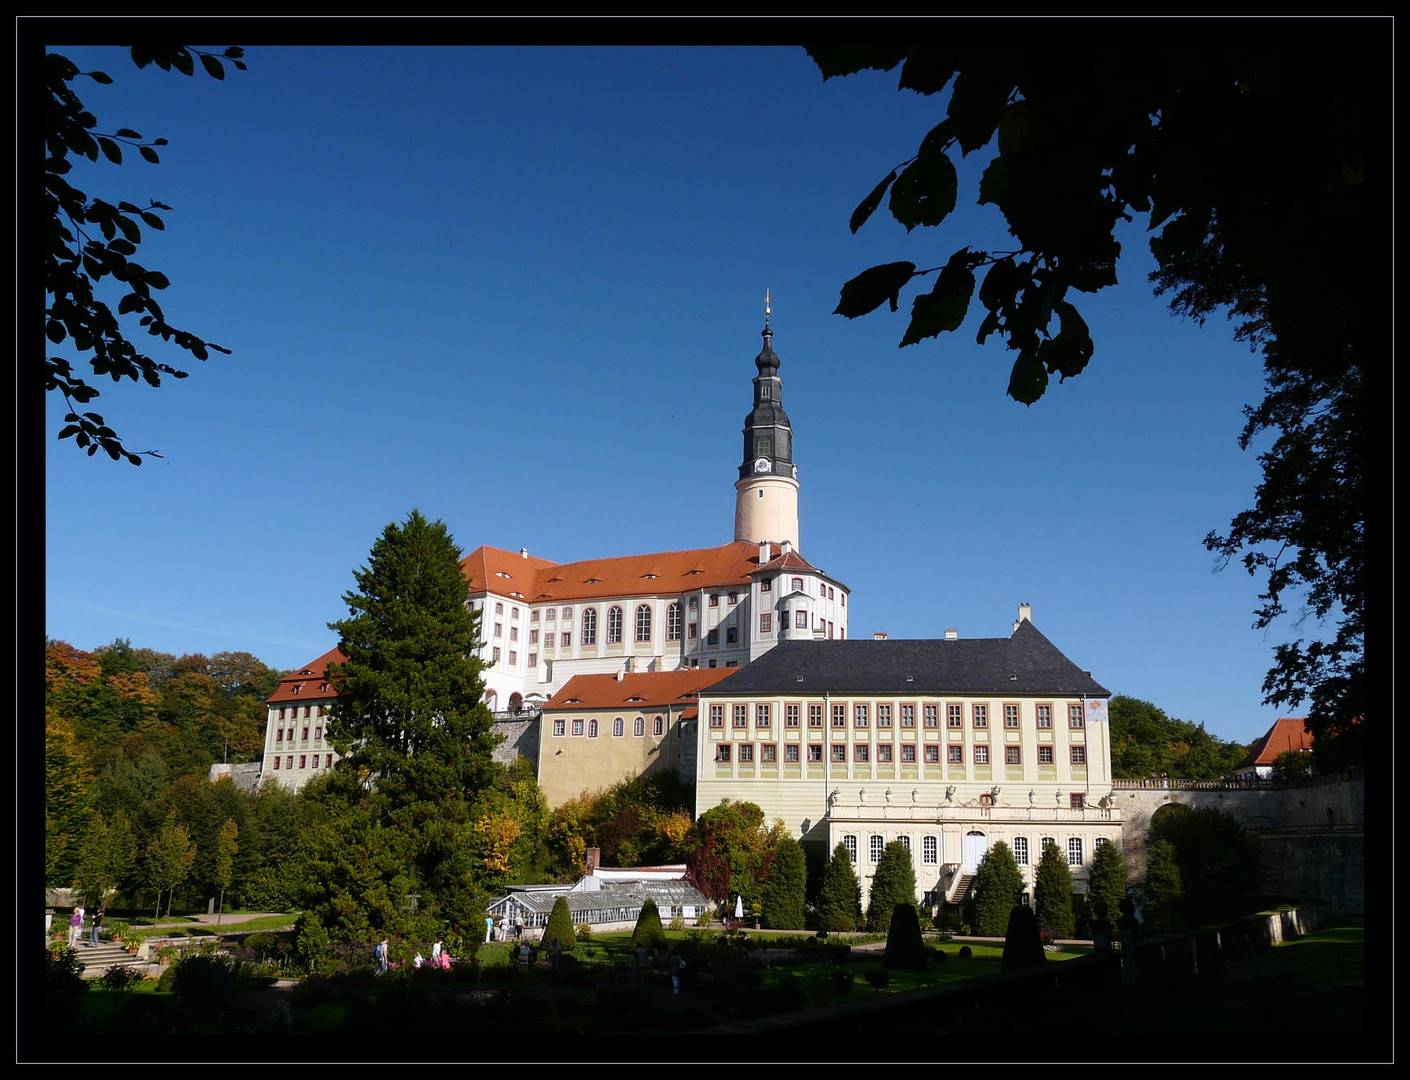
761	465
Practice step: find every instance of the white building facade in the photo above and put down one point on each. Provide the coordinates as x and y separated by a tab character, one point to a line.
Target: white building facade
947	746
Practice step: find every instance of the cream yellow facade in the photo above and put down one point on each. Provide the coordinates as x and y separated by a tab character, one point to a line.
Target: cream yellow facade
949	773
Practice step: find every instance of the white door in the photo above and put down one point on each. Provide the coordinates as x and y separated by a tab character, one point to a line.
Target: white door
974	848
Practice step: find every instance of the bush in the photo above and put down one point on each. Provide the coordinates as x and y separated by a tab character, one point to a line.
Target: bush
560	926
120	977
1023	945
966	952
63	986
905	949
648	930
878	978
678	924
584	932
201	980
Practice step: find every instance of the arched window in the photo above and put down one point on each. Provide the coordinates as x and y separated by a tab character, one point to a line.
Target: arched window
592	729
590	626
797	584
618	727
673	622
639	726
614	625
658	727
643	622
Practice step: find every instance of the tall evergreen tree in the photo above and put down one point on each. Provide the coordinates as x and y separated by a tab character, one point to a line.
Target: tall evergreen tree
840	897
997	883
1108	881
1052	892
408	715
781	898
1164	889
893	883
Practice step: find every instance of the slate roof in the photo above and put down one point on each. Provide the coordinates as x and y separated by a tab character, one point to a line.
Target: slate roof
1025	663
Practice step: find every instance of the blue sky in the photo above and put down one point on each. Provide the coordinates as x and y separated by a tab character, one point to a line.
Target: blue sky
521	289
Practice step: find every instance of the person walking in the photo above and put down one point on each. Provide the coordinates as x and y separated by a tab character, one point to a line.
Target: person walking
674	964
97	922
75	926
380	952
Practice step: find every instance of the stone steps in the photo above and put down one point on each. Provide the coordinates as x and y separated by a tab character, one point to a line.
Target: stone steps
98	958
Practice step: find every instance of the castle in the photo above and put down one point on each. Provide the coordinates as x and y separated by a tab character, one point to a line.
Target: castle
613	667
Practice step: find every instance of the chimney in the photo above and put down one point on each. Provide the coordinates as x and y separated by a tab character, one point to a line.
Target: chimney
880	635
786	546
523	553
594	859
952	633
766	552
621	675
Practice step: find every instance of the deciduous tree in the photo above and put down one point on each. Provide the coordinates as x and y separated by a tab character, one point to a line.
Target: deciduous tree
169	857
1275	231
227	844
89	249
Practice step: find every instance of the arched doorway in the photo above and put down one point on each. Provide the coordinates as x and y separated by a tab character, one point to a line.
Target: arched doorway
975	844
516	702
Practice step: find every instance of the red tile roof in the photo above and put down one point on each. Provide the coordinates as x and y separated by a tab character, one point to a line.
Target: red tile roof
636	691
307	681
489	569
788	560
1287	733
661	573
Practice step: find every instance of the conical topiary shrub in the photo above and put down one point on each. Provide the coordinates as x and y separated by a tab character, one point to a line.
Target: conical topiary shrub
1023	944
648	930
560	926
904	947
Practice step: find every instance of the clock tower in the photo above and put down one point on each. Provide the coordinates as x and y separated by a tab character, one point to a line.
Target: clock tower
766	494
